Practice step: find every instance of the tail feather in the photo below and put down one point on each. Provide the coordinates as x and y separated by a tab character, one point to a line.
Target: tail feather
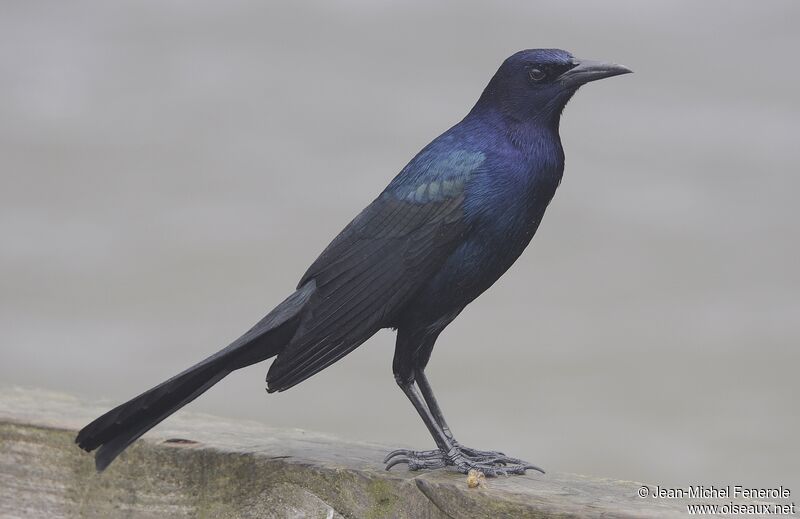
134	418
114	431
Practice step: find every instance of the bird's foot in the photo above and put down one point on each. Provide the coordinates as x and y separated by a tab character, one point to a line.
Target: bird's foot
460	458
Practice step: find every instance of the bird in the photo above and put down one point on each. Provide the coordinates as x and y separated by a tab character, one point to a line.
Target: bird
451	223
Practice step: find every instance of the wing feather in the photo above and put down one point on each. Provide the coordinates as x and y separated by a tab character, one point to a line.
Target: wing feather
365	275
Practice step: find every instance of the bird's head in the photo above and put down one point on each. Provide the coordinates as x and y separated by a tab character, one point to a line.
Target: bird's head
538	83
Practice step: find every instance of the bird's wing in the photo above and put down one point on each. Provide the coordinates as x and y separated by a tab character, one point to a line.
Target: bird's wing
372	268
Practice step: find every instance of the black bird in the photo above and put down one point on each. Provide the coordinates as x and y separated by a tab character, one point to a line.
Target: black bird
443	231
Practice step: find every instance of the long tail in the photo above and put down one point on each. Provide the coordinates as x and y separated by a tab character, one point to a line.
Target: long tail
121	426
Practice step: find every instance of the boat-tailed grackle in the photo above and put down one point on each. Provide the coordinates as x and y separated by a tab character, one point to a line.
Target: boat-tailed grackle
442	232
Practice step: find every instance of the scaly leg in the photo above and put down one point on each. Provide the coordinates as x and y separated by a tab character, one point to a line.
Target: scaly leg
449	453
433	405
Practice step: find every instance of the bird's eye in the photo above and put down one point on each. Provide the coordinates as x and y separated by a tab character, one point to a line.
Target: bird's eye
536	75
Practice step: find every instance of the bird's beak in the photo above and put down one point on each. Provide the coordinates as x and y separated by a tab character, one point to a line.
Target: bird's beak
588	70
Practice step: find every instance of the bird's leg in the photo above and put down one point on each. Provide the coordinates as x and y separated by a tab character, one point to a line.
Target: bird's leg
422	459
450	453
433	405
441	434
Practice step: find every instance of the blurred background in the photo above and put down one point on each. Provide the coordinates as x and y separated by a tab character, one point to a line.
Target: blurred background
168	170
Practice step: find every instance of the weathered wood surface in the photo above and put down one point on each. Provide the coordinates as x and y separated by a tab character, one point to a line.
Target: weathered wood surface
245	469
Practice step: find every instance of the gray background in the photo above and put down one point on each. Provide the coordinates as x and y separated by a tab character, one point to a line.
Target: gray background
169	170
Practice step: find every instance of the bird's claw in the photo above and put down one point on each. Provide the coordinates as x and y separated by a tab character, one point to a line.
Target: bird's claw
435	453
416	463
462	459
